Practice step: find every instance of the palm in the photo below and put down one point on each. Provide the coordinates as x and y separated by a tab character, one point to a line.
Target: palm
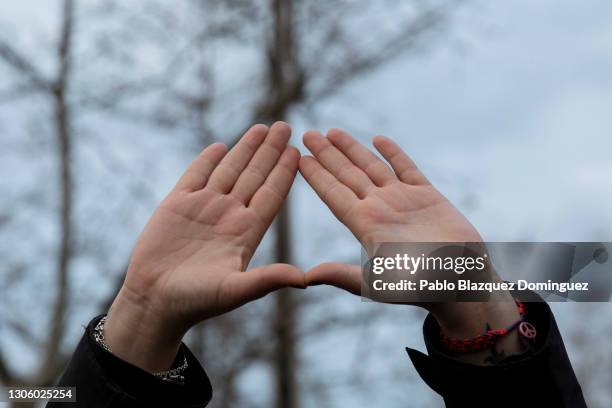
192	238
376	202
405	213
227	235
195	250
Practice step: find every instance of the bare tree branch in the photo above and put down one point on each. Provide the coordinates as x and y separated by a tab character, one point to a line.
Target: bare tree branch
64	145
24	332
23	67
408	38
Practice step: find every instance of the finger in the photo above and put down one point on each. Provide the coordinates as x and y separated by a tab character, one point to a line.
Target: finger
227	172
377	170
340	275
403	165
269	198
200	169
242	287
338	197
337	163
262	163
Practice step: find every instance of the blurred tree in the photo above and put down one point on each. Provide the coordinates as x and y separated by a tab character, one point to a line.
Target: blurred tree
200	65
55	88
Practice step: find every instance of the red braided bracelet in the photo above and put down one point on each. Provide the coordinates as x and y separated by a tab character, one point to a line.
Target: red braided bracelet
488	339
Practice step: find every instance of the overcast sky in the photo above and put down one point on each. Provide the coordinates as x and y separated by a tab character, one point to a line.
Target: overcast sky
512	120
523	118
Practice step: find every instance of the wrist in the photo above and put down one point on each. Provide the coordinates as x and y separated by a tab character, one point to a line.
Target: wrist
466	320
138	333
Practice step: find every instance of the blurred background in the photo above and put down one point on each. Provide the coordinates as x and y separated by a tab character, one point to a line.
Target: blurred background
506	106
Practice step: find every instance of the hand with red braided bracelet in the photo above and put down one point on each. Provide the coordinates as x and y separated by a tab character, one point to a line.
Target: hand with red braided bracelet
394	202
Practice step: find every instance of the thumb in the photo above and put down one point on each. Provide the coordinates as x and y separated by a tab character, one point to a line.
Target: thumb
341	275
258	282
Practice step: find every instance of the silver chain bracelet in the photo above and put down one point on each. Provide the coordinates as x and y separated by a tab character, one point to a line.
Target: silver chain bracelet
173	375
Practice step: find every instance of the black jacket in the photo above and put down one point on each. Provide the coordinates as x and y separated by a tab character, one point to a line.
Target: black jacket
542	376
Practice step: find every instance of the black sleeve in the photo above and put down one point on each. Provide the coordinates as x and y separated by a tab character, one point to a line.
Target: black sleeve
103	380
542	376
